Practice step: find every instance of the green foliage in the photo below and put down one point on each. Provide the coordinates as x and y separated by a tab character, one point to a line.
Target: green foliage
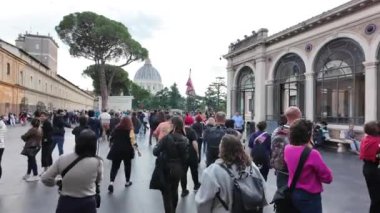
140	95
120	81
98	38
216	97
102	40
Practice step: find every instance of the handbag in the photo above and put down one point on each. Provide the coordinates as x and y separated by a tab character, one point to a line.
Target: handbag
71	165
158	181
30	151
282	199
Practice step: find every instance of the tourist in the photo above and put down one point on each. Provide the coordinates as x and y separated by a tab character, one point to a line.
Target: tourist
199	127
351	136
281	122
94	123
3	131
189	119
12	119
115	120
136	123
105	119
260	145
369	153
59	125
239	122
153	124
47	141
122	145
163	128
279	141
192	160
80	185
174	147
82	126
306	196
230	125
217	183
212	137
32	139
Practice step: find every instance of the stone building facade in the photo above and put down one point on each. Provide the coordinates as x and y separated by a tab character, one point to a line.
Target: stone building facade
26	83
326	65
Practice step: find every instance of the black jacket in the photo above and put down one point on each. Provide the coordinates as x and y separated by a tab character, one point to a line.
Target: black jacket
174	147
47	132
121	147
59	125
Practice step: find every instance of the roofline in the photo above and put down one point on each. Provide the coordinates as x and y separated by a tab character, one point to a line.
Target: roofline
39	36
24	52
309	24
61	77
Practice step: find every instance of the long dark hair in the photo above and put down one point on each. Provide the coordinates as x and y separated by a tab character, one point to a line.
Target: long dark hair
232	152
178	126
85	146
125	124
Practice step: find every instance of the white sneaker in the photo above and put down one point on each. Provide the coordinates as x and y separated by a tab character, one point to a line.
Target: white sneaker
26	177
33	178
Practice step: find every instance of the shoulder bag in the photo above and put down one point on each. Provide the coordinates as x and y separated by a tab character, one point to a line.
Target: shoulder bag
67	169
282	199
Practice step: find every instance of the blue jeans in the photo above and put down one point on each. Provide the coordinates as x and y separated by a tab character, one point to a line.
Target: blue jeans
306	202
355	145
58	140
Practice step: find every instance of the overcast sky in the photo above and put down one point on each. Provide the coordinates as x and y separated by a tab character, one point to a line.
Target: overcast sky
178	34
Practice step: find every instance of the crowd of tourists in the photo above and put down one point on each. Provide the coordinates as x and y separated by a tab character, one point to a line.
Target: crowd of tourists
234	179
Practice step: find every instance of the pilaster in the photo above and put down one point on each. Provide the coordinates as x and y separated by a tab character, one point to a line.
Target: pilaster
260	95
309	94
230	95
371	93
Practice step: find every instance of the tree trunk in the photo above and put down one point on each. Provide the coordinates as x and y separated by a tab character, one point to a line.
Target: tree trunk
109	84
103	85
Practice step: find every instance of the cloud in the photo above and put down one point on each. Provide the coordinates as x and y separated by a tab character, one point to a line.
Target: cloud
142	26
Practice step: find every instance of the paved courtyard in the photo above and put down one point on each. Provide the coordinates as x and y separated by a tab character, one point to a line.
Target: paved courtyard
347	193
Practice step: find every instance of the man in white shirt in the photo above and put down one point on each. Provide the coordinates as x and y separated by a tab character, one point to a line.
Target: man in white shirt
105	119
3	130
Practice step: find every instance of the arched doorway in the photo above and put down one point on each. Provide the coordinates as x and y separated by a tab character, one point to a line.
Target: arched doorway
245	93
24	105
40	106
289	84
340	82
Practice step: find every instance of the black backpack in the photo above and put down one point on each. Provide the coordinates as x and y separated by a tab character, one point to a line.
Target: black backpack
258	152
212	137
248	194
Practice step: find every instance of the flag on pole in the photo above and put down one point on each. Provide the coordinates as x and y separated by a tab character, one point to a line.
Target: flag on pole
190	88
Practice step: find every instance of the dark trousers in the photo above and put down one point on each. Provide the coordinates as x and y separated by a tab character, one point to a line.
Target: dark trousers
170	194
115	168
264	169
372	177
199	141
46	158
193	165
282	179
58	140
76	205
211	155
1	156
151	135
306	202
32	165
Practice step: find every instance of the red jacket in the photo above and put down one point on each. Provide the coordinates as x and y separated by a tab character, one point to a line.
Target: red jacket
369	148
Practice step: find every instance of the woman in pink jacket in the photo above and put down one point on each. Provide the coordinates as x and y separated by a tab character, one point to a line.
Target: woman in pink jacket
307	194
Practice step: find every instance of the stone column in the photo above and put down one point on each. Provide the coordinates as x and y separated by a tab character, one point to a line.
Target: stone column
269	98
309	96
370	91
260	110
230	98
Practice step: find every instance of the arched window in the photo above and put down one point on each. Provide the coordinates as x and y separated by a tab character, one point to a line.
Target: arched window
339	74
245	92
288	85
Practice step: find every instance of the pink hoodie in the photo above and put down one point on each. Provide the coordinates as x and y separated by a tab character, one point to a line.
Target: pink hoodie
314	173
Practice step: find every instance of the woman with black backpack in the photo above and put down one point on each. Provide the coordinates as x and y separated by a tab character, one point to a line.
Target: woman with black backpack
173	150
